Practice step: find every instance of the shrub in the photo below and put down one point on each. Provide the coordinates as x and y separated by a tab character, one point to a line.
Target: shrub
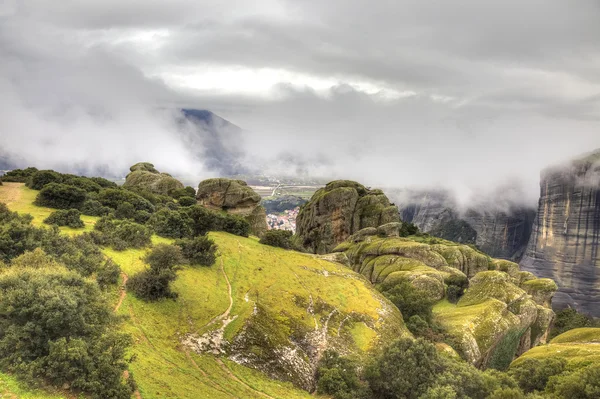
580	384
108	274
36	259
104	183
204	220
408	229
17	235
184	192
125	210
43	177
533	374
568	319
338	376
121	234
113	197
277	238
92	207
199	250
154	283
172	224
409	300
58	342
60	196
187	201
70	218
82	182
19	175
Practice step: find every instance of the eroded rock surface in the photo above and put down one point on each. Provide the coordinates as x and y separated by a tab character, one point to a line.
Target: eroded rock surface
339	210
145	176
566	233
235	197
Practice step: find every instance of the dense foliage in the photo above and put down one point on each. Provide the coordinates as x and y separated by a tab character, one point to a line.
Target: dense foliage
277	238
70	218
55	325
153	283
19	175
61	196
568	319
199	250
120	234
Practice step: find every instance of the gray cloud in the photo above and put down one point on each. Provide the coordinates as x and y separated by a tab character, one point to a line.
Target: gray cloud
493	91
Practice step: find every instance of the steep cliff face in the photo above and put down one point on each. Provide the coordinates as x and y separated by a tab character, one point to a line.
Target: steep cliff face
565	239
338	210
235	197
500	232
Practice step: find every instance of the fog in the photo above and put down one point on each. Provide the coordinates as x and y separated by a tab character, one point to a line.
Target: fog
463	98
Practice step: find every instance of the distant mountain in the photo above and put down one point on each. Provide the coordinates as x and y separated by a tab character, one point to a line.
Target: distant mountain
214	141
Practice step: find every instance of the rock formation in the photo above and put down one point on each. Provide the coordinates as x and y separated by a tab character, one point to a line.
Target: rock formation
503	313
566	233
234	197
145	176
501	232
339	210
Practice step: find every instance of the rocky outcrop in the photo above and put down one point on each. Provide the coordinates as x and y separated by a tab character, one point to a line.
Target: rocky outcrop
339	210
566	233
502	314
143	175
234	197
501	232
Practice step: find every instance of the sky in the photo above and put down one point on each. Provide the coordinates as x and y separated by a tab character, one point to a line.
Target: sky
464	95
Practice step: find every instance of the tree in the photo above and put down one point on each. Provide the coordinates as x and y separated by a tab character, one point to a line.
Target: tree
338	376
277	238
19	175
187	201
70	218
533	374
108	274
410	300
41	178
199	250
61	196
171	224
580	384
55	325
568	319
154	283
121	234
405	369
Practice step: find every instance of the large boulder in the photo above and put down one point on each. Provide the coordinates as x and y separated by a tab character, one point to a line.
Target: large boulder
234	197
143	175
339	210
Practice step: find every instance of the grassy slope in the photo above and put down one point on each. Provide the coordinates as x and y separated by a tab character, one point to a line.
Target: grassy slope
581	345
274	277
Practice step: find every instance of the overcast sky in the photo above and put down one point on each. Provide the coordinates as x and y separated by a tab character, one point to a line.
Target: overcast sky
462	94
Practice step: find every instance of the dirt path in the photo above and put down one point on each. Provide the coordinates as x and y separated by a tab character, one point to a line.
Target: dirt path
224	315
10	192
236	379
123	292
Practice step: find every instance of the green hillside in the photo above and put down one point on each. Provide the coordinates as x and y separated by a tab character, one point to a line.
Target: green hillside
261	292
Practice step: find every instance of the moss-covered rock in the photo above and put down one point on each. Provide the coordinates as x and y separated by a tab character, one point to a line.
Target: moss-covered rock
143	175
541	289
235	197
339	210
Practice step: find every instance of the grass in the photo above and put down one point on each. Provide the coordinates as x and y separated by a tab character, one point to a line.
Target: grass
10	388
271	277
20	199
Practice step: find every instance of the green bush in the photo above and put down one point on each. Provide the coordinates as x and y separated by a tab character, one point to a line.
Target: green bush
108	274
187	201
121	234
19	175
533	374
70	218
84	183
580	384
113	197
154	283
204	220
57	342
104	183
39	179
171	224
408	229
199	250
277	238
92	207
184	192
125	210
568	319
338	376
60	196
409	300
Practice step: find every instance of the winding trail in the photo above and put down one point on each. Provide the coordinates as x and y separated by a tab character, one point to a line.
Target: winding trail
224	315
123	292
122	295
236	379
